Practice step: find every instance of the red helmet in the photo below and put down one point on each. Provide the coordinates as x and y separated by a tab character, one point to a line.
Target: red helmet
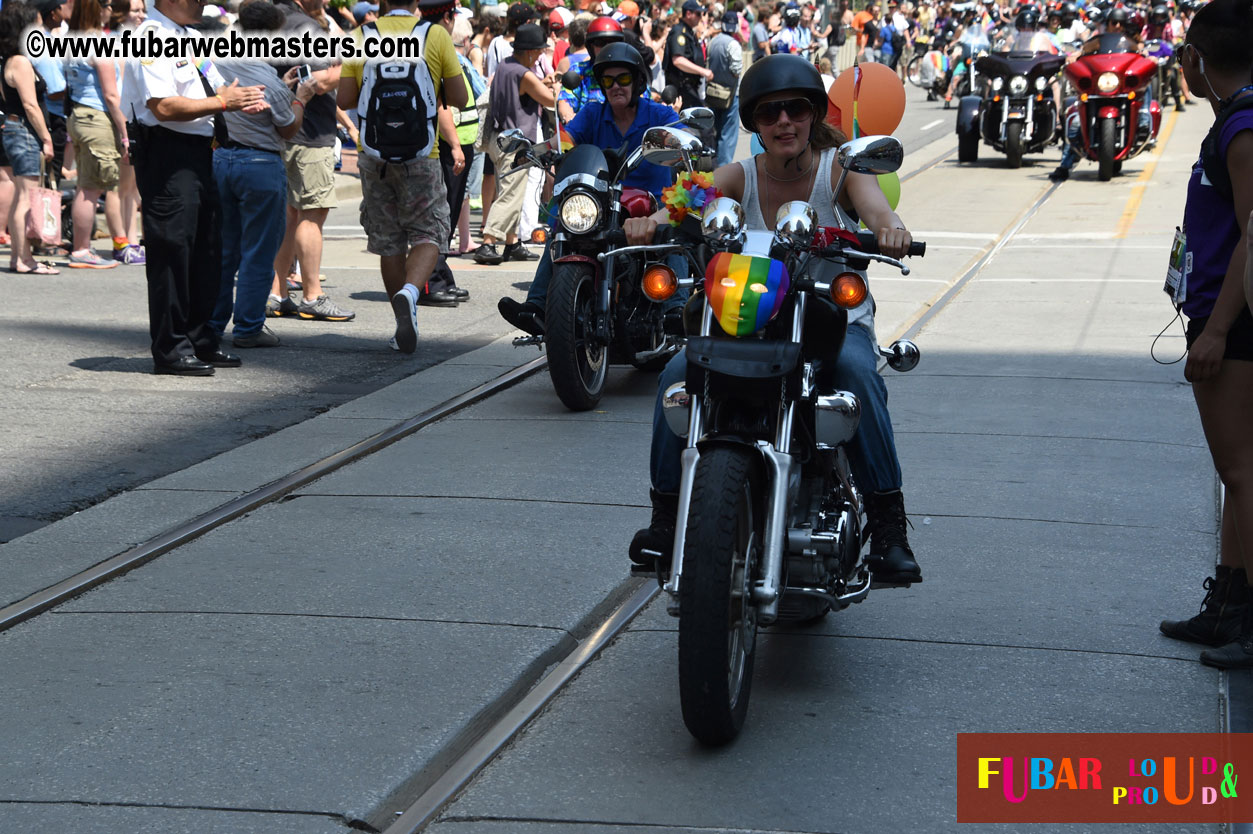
603	30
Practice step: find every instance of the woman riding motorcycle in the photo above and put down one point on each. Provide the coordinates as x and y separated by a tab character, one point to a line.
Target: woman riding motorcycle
784	102
615	123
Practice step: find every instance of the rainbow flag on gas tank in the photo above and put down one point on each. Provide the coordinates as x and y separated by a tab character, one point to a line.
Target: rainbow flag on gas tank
745	291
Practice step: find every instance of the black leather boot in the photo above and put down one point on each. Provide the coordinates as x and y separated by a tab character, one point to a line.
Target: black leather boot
1226	601
1238	654
891	560
526	316
653	543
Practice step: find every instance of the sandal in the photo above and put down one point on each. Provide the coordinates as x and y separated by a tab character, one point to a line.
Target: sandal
40	268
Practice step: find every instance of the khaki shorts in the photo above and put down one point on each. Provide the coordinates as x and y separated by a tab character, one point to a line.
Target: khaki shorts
95	148
310	177
403	204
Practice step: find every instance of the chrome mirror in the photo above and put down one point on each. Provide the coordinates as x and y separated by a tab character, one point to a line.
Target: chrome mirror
795	223
722	220
511	141
903	356
670	147
872	155
700	119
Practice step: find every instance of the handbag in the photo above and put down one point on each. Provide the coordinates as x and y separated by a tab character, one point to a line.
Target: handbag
43	224
718	95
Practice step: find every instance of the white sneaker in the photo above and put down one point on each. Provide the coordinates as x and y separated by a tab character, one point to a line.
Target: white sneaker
405	306
391	343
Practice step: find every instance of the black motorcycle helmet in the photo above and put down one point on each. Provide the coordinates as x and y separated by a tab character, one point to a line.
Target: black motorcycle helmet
1096	17
775	74
1028	20
623	55
1069	12
1117	17
1160	15
791	17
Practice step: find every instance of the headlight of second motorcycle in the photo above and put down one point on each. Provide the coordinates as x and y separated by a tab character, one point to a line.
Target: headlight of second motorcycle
997	84
1041	82
579	212
1017	85
1107	82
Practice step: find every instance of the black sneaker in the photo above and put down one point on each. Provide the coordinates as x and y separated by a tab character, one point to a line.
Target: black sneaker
519	252
891	560
528	316
487	254
1060	174
652	545
1223	609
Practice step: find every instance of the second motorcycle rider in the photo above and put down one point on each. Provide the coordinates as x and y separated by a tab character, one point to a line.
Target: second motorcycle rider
783	101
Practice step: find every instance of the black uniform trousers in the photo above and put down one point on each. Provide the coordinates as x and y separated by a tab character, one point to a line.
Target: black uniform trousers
442	278
183	240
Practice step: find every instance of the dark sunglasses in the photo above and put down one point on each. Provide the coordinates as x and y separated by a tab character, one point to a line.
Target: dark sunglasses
798	110
623	80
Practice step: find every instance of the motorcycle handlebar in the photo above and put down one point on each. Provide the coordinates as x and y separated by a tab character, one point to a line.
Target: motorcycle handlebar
867	242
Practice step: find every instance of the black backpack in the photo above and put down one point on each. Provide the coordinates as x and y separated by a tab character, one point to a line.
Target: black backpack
1214	164
398	119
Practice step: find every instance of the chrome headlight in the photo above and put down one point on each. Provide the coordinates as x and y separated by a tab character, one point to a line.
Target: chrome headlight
722	220
579	212
1041	82
1017	85
997	84
1107	82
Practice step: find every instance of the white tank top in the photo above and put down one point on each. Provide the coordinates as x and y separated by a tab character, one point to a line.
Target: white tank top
829	214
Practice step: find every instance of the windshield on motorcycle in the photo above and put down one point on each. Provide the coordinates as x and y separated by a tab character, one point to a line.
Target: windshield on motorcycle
1113	43
1032	42
584	159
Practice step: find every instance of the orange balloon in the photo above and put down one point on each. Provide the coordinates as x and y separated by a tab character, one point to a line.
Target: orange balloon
880	100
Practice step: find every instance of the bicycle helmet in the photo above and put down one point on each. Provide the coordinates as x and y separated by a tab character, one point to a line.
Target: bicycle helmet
623	55
775	74
603	30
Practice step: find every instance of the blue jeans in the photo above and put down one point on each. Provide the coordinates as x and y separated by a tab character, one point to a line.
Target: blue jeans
253	189
538	293
727	129
872	454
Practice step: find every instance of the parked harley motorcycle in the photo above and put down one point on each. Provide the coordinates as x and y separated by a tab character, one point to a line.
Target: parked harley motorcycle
1017	113
770	523
1111	83
598	312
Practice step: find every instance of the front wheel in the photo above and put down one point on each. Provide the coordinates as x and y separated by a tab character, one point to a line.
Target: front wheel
1013	144
577	362
1105	151
914	71
968	145
717	616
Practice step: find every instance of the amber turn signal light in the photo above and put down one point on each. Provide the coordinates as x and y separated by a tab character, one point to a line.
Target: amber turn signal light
848	290
539	235
660	282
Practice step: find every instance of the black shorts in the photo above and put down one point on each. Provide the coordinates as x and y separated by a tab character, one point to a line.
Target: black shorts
1239	337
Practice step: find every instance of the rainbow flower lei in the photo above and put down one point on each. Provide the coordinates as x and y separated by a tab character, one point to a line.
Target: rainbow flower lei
689	194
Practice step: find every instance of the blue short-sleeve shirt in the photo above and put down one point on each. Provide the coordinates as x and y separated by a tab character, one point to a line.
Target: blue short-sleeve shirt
594	125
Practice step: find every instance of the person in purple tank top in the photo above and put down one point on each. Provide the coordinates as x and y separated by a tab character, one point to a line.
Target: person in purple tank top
1210	255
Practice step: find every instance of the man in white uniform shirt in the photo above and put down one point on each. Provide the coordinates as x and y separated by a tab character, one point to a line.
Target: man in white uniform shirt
175	111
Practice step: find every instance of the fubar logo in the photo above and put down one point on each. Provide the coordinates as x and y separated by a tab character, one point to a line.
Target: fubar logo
1103	777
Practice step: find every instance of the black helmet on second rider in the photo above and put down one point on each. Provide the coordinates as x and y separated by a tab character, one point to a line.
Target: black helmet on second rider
1028	20
777	74
626	56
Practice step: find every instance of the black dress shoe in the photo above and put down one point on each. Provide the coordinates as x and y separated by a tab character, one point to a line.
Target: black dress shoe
487	254
459	293
220	359
184	366
440	298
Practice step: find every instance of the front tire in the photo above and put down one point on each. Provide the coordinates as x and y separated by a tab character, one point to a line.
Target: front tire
1013	144
914	72
968	145
717	616
1105	151
577	363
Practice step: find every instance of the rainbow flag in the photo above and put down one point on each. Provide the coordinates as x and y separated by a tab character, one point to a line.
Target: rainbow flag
563	141
745	291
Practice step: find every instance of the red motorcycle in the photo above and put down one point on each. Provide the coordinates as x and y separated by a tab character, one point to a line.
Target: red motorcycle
1112	83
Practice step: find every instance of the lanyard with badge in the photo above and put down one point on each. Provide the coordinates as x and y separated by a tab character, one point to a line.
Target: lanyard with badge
1178	268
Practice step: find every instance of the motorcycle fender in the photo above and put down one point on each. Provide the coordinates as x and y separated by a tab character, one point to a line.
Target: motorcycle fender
582	259
968	115
1109	111
1155	115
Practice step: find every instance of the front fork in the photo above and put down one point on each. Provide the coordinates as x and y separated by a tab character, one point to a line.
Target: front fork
780	467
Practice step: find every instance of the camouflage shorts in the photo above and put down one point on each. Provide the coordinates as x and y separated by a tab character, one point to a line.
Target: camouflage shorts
403	204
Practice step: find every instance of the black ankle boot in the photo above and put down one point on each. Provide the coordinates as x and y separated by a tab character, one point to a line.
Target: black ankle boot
1238	654
526	316
1227	598
891	560
654	542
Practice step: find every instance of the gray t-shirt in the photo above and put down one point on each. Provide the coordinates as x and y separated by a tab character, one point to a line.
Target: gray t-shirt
257	130
318	128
